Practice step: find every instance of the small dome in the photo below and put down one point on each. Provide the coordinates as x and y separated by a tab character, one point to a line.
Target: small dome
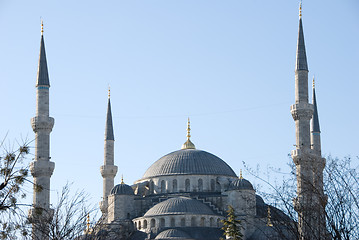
179	205
240	184
189	162
122	189
172	234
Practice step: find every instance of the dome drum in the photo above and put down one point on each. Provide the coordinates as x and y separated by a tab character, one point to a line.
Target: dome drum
187	183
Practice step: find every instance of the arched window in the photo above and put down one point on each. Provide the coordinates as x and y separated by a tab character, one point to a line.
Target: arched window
187	185
200	185
183	222
162	222
173	223
145	224
139	224
202	221
211	222
193	222
153	223
152	187
136	225
163	186
213	185
174	186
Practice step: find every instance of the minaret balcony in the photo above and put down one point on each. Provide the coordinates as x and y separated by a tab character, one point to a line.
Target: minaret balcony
43	123
40	168
302	110
108	171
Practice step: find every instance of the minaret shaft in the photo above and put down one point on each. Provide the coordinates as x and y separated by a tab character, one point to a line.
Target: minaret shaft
42	168
108	170
310	202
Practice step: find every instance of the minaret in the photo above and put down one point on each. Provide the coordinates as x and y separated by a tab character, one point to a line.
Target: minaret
41	168
308	201
318	167
108	170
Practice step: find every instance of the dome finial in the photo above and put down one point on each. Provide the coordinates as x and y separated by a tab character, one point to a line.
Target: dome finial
188	144
88	222
269	221
240	174
122	182
188	129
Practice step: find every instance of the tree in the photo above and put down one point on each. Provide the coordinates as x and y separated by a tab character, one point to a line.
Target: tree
231	225
67	219
13	175
341	188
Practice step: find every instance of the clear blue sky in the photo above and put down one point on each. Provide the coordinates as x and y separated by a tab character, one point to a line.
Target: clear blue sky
228	65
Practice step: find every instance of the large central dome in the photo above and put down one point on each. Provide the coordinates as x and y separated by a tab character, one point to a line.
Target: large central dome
189	162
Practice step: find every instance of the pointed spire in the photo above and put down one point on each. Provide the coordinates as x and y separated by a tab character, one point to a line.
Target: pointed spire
301	61
42	72
315	120
188	144
109	127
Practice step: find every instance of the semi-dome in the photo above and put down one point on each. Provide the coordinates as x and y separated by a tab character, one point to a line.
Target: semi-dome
189	162
172	234
179	205
122	189
240	184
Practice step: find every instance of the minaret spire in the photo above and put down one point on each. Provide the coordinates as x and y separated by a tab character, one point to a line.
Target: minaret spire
301	61
42	72
109	127
108	170
41	168
315	120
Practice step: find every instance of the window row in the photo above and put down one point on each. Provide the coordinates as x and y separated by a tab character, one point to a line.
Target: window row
194	186
179	222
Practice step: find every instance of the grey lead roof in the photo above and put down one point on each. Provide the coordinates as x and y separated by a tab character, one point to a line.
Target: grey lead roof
109	127
42	73
122	189
240	184
315	120
179	206
172	234
301	61
189	162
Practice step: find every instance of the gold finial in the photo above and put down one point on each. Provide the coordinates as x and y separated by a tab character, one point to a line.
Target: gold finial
109	91
240	174
313	81
42	27
122	182
300	9
188	129
188	144
269	222
88	222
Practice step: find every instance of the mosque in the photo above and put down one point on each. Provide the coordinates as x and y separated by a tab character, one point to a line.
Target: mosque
186	193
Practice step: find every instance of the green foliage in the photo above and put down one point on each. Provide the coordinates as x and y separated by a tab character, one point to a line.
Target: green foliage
232	226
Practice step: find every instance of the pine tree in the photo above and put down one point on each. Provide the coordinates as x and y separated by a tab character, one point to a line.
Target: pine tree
232	226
